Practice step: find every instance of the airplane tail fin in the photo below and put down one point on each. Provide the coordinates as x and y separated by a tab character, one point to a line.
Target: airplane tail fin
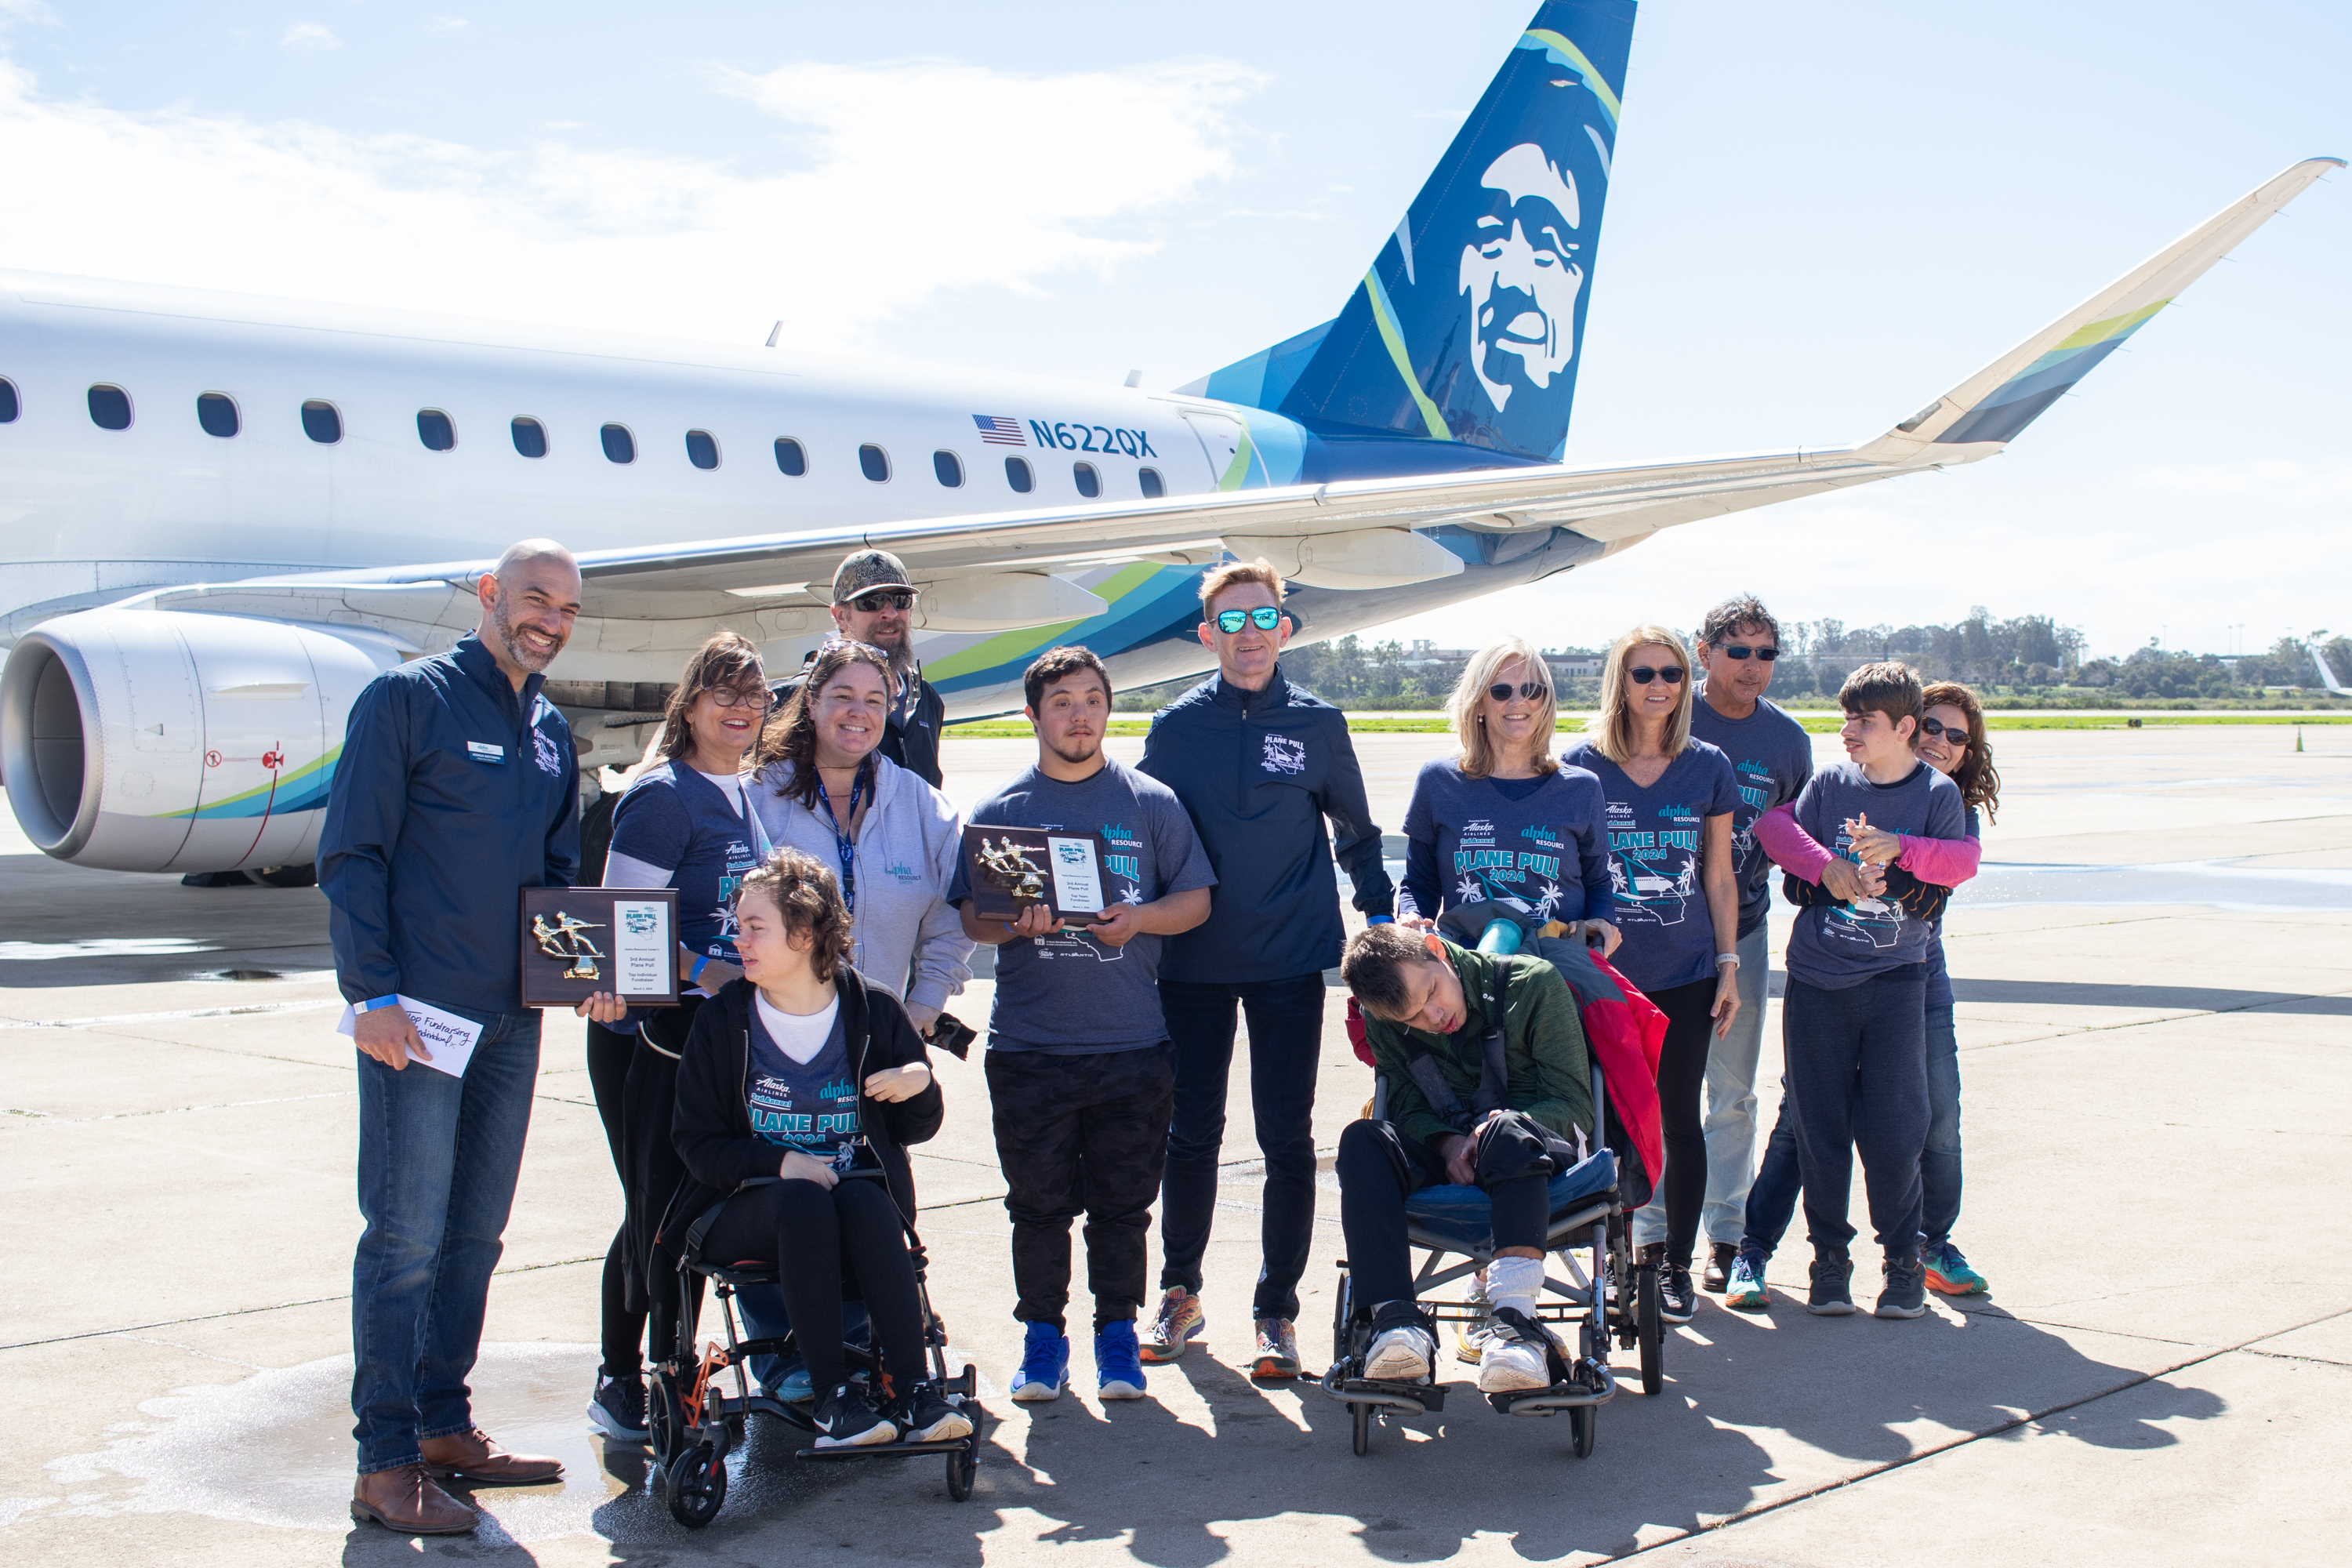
1468	323
2003	398
2326	672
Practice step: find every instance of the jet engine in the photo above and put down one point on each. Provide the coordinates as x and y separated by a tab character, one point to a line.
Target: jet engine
159	741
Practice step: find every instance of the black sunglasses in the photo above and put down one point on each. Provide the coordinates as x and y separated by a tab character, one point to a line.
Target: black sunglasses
1741	651
885	599
1265	617
1530	689
1958	734
1642	675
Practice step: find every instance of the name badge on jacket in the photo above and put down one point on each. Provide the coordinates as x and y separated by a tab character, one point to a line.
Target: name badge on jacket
483	751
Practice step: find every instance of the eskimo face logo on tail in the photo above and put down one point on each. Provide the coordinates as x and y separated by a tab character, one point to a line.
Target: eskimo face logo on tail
1520	277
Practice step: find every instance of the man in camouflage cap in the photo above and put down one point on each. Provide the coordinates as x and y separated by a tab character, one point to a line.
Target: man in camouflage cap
873	602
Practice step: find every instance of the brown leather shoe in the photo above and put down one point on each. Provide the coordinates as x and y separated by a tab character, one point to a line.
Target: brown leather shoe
405	1501
472	1457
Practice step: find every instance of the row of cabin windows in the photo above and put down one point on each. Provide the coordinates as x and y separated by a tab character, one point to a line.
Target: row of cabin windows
218	414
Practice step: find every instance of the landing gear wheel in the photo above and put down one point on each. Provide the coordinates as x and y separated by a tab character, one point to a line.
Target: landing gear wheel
1649	1327
1580	1429
288	876
697	1485
1363	1428
963	1465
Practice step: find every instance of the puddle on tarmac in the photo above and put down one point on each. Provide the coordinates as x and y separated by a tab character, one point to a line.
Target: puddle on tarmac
276	1450
101	947
2219	884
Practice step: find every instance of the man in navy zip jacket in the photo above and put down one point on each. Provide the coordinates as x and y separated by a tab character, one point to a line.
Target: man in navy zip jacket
459	785
1259	763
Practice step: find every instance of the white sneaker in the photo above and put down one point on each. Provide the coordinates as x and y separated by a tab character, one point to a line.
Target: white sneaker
1401	1355
1510	1364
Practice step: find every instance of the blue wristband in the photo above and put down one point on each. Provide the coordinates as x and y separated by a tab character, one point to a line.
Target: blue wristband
1379	920
373	1003
701	961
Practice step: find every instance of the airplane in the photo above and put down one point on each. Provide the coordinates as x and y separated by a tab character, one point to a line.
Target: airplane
221	516
2327	673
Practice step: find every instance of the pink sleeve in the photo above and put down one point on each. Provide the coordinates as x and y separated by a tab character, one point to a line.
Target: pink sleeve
1792	849
1946	862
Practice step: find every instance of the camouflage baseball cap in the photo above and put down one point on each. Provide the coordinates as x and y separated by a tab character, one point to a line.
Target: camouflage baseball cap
866	570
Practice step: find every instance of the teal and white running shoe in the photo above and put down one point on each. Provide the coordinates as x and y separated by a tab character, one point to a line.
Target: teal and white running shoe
1745	1291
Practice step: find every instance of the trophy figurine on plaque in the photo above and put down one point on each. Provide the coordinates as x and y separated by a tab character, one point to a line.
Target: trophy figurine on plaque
564	939
1005	866
578	941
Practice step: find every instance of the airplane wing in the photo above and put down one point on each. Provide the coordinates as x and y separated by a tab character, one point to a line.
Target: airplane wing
1000	570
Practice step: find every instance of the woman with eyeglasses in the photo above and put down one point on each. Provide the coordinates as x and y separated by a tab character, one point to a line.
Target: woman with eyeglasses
1502	822
1670	799
683	822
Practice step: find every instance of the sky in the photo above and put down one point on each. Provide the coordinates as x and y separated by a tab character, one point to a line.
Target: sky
1818	218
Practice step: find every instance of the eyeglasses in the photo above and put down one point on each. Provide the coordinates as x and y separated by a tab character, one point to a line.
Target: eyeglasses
884	599
1265	617
1958	734
1642	675
758	700
1741	651
1529	689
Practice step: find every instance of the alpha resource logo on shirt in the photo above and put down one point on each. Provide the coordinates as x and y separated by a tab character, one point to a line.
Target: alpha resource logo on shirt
832	1119
1525	877
1653	868
1284	754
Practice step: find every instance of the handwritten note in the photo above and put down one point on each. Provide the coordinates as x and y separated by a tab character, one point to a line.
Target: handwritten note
451	1039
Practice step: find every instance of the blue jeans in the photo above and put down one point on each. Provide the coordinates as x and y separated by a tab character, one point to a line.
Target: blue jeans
1286	1031
1939	1162
438	1159
761	1308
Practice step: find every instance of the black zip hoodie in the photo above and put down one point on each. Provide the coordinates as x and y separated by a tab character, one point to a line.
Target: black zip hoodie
711	1126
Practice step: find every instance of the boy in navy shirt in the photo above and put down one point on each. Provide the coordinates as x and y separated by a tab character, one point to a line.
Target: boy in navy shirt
1854	1019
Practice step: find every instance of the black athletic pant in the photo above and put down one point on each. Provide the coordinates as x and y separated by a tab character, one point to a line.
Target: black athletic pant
609	1053
817	1237
1380	1167
1857	1072
1080	1134
1682	1072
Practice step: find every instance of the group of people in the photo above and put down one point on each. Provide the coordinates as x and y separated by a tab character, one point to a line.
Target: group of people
826	919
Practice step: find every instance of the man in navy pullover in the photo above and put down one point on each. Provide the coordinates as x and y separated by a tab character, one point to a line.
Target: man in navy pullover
459	785
1259	763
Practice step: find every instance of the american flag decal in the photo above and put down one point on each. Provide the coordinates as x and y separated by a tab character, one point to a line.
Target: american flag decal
995	430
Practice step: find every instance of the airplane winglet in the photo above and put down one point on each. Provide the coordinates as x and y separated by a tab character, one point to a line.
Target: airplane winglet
1975	418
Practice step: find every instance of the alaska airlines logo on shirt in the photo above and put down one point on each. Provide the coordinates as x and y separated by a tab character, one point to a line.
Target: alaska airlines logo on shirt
1284	754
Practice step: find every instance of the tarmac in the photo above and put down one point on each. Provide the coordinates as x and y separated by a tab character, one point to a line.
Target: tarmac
2158	1092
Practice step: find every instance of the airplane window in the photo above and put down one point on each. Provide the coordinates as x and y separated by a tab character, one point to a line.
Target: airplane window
321	422
434	428
790	459
619	445
949	468
7	401
1017	475
700	449
530	437
1153	489
1089	482
873	462
218	414
109	408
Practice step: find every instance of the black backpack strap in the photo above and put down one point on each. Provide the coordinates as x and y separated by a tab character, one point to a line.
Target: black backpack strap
1493	1072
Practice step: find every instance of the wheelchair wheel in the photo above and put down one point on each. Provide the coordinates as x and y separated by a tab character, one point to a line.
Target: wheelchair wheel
1580	1429
1649	1327
697	1485
1343	1306
1363	1423
963	1465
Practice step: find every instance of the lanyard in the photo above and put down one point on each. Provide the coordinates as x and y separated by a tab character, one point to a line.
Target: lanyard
845	848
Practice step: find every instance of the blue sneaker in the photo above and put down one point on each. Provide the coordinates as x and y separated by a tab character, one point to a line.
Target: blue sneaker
1045	1362
793	1387
1118	1360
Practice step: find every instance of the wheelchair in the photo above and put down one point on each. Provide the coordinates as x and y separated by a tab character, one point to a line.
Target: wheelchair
696	1422
1611	1300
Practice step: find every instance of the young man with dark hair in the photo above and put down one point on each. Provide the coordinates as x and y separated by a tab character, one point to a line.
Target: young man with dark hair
1078	1069
1259	763
1854	1021
1428	1006
1772	758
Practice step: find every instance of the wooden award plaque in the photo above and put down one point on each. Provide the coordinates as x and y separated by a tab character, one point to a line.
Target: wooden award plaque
577	942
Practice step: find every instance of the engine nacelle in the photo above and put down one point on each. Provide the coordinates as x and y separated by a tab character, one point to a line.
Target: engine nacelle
159	741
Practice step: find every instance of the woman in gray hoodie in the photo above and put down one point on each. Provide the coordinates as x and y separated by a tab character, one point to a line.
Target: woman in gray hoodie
823	788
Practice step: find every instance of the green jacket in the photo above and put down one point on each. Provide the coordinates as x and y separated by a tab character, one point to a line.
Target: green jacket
1543	1047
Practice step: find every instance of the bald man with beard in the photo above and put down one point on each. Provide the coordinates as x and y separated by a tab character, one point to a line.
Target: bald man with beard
458	787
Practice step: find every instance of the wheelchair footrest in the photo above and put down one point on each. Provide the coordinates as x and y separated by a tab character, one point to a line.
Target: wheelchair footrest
894	1450
1588	1383
1423	1398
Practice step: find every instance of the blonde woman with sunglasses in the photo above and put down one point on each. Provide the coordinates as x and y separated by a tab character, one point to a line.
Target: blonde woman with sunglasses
1670	800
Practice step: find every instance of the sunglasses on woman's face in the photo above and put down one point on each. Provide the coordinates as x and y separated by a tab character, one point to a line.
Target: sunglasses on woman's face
1528	690
1265	617
1741	651
1954	734
758	700
1643	674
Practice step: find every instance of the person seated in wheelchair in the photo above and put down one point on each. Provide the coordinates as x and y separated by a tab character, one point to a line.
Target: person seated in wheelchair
1502	1104
809	1080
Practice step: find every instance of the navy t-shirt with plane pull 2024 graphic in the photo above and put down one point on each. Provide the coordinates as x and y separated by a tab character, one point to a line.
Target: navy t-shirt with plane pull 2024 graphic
1655	837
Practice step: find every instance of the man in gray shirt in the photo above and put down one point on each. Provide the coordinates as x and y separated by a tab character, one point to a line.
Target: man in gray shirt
1079	1078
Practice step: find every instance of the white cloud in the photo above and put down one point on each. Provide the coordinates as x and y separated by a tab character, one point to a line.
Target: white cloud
309	38
915	179
446	26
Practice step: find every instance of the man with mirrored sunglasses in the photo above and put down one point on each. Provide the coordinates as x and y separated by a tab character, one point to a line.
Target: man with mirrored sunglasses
874	603
1772	758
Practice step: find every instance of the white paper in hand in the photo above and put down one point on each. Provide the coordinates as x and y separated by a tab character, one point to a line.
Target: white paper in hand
1077	879
451	1039
643	951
